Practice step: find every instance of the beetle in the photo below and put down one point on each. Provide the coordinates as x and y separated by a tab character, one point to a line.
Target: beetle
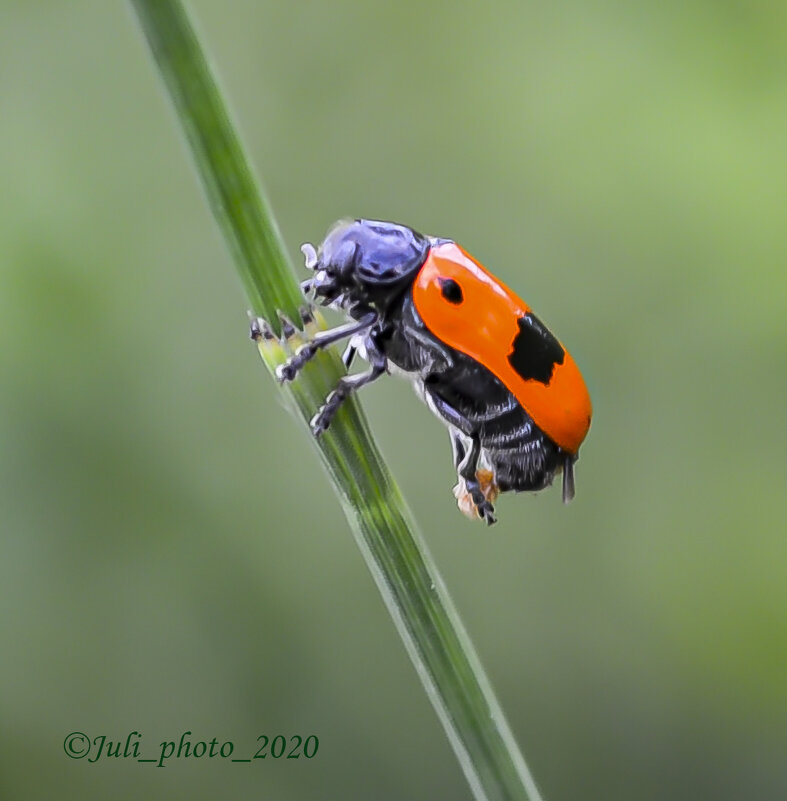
516	406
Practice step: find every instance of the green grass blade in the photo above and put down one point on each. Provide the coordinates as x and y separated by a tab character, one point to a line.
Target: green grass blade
402	568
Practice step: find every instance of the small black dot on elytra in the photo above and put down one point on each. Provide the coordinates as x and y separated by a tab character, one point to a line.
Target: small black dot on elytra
450	290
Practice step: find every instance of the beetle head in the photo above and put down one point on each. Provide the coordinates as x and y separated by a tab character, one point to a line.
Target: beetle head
363	262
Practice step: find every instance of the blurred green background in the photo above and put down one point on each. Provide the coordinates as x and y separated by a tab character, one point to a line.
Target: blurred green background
172	557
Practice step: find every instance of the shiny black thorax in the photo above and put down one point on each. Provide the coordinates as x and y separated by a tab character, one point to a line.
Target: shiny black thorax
470	399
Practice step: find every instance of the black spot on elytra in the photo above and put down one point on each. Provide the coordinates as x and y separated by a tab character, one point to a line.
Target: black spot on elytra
450	290
536	351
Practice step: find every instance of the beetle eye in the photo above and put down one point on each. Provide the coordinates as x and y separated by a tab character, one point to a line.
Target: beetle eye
450	290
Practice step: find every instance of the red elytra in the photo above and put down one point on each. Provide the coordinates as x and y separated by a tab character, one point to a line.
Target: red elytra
485	326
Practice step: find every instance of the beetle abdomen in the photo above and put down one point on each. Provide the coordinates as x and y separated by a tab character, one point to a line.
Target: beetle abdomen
528	465
522	456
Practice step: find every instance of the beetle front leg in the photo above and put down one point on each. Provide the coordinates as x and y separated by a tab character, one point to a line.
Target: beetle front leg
307	351
346	386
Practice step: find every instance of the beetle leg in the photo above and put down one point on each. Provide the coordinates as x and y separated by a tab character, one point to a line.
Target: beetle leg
486	479
349	355
466	462
457	447
307	351
468	470
346	386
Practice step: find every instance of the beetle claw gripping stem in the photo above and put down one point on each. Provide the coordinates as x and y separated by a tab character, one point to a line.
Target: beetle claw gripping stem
288	328
307	314
259	328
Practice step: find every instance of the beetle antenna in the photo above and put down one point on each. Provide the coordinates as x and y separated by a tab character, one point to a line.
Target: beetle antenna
568	479
309	255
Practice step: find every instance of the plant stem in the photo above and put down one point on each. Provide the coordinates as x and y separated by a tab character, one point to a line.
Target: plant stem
400	564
